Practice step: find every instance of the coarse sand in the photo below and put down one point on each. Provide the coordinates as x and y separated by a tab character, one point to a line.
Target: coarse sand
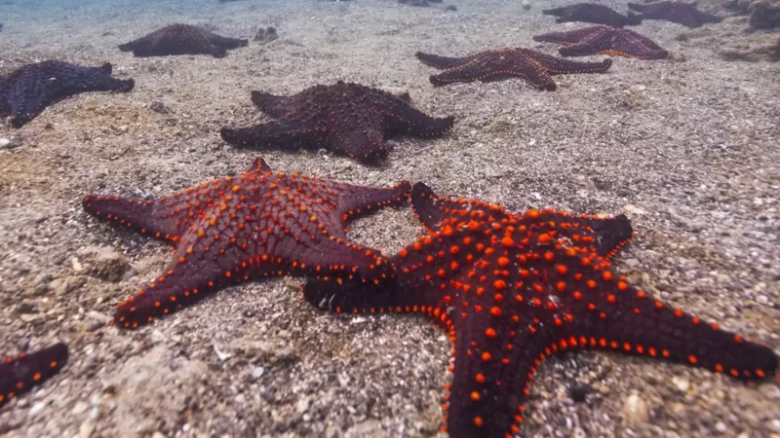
688	148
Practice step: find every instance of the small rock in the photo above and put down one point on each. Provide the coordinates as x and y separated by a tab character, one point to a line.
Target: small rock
90	104
451	8
770	390
635	410
302	405
681	384
86	429
158	107
105	263
79	408
159	435
266	35
720	427
4	142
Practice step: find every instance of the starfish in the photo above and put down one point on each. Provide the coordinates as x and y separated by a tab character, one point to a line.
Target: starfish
347	118
26	91
513	289
497	65
421	3
686	14
20	374
182	39
259	224
592	13
606	41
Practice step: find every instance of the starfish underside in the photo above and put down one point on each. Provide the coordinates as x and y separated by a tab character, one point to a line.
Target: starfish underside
513	289
20	374
592	13
182	39
495	65
604	40
27	91
259	224
686	14
346	118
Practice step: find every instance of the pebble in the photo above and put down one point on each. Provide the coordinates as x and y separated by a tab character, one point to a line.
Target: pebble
302	405
79	408
86	429
635	410
681	384
159	435
770	390
37	409
4	142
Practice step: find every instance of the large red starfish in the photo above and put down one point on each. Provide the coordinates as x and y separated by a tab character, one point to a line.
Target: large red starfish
19	374
513	289
604	40
496	65
28	90
261	223
346	118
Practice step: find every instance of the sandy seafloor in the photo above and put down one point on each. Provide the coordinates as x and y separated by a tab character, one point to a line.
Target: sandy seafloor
689	150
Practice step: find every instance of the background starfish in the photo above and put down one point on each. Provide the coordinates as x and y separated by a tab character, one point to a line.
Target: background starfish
182	39
347	118
513	289
20	374
28	90
497	65
606	41
592	13
686	14
258	224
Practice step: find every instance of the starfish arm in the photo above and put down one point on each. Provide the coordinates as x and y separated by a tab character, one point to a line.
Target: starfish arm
194	273
403	119
274	106
604	310
557	66
570	37
356	201
18	375
226	42
150	217
442	62
277	134
496	66
80	79
558	12
434	211
605	235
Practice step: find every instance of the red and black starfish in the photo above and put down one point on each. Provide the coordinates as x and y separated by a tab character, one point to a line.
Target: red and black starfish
347	118
497	65
604	40
25	92
592	13
259	224
20	374
514	289
686	14
182	39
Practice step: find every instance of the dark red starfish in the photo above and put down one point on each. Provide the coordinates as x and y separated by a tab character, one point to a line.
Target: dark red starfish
347	118
26	91
514	289
686	14
258	224
592	13
604	40
20	374
497	65
182	39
